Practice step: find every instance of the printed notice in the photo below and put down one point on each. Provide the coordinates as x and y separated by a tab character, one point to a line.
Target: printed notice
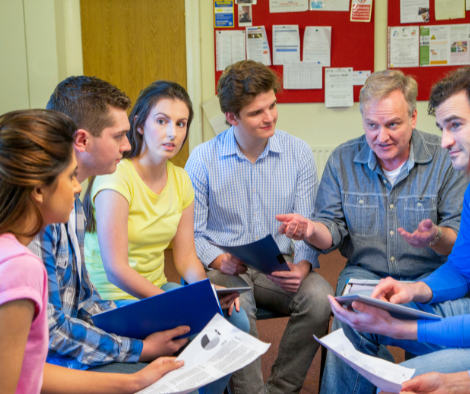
302	76
230	48
317	45
286	44
361	10
459	39
403	43
223	13
359	77
329	5
414	11
449	9
338	87
288	5
434	46
257	47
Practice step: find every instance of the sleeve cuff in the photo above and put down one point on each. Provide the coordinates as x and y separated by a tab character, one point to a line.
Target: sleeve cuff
207	253
335	235
306	254
446	284
130	351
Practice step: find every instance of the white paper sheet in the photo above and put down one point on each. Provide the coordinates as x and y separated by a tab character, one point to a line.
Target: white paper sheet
317	45
414	11
383	374
288	5
403	44
245	1
302	76
218	350
459	40
359	77
329	5
338	87
257	46
215	115
467	5
286	44
449	9
230	48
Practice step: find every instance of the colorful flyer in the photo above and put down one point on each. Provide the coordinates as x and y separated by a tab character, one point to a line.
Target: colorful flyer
361	10
223	13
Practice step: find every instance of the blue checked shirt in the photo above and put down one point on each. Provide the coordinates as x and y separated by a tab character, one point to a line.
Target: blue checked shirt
74	341
236	202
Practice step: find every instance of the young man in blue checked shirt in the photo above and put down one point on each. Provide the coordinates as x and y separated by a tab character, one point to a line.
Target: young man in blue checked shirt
242	179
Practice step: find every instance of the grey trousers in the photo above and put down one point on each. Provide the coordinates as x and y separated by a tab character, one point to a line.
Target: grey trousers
310	313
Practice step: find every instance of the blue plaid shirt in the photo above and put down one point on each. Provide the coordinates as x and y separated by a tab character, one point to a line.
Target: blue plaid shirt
236	201
74	341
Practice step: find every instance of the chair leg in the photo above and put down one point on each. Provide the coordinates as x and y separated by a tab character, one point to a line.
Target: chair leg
322	364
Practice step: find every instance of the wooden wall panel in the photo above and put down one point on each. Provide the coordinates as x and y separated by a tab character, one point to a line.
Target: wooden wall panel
132	43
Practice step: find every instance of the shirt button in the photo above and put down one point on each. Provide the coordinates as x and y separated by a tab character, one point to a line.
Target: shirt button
392	206
392	258
385	181
392	233
419	204
361	201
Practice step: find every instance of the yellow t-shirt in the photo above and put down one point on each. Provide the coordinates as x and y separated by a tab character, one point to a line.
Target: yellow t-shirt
152	224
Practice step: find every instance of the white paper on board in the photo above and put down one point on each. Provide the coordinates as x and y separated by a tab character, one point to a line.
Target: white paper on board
286	44
302	76
317	45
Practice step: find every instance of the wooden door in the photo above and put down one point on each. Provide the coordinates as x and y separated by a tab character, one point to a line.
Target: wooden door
131	43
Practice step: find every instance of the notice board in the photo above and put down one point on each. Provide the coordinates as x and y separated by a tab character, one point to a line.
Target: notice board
352	44
426	76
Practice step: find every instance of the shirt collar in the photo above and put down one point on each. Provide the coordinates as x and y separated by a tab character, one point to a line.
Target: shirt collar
419	153
230	146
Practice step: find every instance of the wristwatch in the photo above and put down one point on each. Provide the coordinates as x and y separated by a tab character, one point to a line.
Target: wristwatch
437	237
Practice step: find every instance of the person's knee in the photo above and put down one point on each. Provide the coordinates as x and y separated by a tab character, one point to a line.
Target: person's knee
240	320
313	296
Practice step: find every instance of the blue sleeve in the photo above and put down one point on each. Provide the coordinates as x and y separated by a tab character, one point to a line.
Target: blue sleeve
450	331
452	280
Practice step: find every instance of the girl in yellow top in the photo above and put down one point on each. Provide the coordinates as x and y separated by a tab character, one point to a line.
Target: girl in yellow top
133	214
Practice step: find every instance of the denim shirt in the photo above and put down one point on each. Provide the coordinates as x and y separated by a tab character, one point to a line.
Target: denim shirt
363	211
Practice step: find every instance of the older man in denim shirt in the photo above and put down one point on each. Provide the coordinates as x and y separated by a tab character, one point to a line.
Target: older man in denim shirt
390	200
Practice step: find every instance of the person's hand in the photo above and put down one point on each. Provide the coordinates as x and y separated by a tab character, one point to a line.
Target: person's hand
374	320
393	291
162	343
295	226
230	265
291	280
155	371
229	301
437	383
421	237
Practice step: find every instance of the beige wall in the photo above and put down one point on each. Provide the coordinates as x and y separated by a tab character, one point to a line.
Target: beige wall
313	123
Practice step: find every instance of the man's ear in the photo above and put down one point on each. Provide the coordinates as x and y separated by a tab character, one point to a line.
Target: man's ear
414	118
231	118
81	139
37	195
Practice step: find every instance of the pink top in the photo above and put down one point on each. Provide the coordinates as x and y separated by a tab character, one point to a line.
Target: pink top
22	275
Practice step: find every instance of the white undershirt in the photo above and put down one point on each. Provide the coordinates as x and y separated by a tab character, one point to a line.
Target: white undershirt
393	175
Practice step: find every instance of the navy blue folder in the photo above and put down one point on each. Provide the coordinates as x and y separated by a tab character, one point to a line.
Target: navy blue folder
192	305
263	255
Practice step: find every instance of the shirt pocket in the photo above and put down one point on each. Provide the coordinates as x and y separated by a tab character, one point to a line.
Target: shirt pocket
416	209
362	215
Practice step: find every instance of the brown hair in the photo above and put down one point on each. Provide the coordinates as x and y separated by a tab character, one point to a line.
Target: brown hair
241	82
454	82
35	147
86	100
381	83
148	98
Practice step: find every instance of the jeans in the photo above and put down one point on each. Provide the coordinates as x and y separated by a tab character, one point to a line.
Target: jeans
238	319
342	379
310	313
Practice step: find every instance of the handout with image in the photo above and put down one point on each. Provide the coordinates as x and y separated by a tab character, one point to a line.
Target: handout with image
219	349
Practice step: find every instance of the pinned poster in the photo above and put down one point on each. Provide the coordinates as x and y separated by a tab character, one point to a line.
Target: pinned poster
449	9
223	13
339	87
361	10
359	77
414	11
288	6
329	5
286	44
317	45
230	47
403	46
257	47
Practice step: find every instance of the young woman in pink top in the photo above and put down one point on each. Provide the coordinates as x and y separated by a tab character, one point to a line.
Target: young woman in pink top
37	188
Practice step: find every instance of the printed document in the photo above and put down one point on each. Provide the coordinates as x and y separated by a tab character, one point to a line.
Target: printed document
382	374
449	9
223	13
403	46
302	76
414	11
361	10
360	77
338	87
257	46
288	5
329	5
317	45
230	48
218	350
459	38
434	45
286	44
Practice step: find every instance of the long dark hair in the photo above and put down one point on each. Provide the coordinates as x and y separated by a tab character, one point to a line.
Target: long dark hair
35	147
148	98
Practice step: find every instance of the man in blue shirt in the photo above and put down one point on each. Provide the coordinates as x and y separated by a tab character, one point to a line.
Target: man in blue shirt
242	179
